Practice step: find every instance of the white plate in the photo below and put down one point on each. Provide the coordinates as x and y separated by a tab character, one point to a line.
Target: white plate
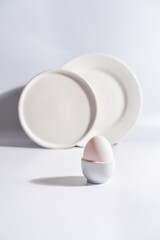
117	92
57	109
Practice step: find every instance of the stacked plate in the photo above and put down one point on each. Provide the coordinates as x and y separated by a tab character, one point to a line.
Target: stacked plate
93	94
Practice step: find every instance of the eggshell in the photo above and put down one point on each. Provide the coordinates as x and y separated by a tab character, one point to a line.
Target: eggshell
98	149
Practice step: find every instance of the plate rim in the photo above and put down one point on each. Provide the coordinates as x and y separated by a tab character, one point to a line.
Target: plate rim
33	136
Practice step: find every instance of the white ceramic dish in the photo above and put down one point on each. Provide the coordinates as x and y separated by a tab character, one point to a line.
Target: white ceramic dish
57	109
117	92
98	172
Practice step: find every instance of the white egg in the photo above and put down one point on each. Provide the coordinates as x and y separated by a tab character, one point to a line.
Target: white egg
98	149
98	163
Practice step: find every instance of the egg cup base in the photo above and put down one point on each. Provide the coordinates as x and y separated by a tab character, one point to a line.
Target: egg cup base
97	173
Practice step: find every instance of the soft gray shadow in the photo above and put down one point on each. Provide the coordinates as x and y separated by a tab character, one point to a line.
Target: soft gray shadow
11	133
67	181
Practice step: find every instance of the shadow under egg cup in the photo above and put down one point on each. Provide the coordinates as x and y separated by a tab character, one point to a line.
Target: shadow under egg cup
98	172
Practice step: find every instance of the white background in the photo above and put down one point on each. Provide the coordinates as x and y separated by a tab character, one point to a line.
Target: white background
39	35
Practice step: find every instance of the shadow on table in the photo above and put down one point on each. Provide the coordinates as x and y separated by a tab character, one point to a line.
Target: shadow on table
66	181
11	133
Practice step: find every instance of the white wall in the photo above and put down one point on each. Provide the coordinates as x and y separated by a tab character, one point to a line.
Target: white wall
42	34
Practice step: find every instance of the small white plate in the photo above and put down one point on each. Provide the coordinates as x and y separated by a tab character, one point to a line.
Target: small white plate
57	109
117	92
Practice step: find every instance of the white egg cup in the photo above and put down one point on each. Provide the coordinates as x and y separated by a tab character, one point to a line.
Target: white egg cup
98	172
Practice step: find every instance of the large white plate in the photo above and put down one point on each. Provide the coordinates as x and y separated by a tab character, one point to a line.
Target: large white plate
57	109
117	92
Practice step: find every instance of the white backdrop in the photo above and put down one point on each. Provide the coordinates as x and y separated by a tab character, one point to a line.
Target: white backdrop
43	195
42	34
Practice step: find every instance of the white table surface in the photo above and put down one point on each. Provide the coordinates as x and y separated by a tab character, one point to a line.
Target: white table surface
44	196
